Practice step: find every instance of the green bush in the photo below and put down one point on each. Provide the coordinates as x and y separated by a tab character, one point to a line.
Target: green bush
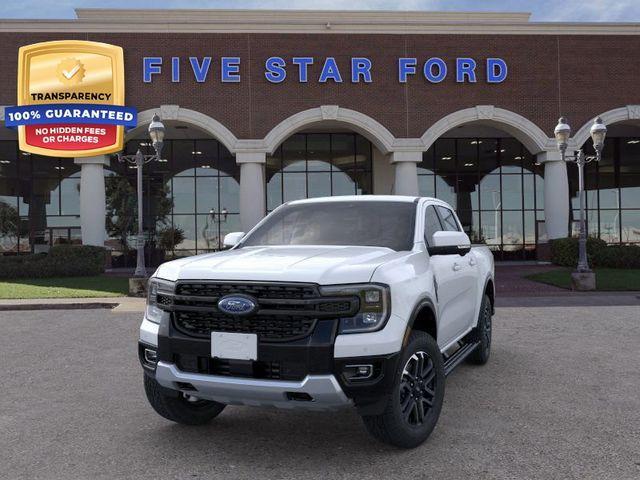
564	252
61	261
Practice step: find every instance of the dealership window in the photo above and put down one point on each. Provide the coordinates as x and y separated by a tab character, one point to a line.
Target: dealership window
39	201
194	190
495	187
612	188
311	165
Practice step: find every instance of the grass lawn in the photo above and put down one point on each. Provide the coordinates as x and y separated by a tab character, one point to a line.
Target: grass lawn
607	279
69	287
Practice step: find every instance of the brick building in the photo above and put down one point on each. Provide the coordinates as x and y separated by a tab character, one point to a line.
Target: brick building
262	107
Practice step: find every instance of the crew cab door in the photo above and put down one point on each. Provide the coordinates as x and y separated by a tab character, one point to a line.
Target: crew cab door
454	277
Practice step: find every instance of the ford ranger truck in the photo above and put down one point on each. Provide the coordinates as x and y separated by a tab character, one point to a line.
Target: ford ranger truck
359	301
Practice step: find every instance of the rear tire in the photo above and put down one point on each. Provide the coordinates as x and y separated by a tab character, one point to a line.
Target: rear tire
414	406
178	407
481	354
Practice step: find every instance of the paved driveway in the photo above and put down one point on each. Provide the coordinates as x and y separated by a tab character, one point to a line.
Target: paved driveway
560	398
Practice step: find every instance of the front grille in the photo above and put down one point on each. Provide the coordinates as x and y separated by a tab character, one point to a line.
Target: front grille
285	312
234	368
272	328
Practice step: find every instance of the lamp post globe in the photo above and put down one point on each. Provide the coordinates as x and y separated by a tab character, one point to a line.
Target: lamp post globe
562	133
598	133
156	133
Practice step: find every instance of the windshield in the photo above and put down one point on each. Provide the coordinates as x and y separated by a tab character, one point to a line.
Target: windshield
364	223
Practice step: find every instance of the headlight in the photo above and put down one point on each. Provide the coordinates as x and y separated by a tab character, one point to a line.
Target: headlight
160	293
375	305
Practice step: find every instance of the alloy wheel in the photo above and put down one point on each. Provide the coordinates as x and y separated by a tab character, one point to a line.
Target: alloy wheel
417	388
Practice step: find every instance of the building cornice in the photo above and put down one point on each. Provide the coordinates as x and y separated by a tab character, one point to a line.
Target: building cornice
317	22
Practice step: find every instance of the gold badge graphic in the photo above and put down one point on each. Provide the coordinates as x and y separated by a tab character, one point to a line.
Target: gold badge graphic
70	98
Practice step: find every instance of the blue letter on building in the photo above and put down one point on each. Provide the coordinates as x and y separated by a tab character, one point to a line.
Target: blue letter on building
428	70
360	67
151	66
465	67
496	70
175	69
330	71
200	71
275	69
406	66
230	71
303	65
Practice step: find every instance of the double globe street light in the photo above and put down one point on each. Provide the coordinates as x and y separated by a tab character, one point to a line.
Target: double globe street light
156	133
583	278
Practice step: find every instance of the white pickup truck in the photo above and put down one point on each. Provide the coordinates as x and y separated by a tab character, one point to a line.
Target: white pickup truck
365	301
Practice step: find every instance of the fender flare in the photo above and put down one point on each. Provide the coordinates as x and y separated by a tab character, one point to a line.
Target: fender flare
493	292
424	301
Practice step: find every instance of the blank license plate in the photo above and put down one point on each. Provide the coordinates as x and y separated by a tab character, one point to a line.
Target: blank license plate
234	346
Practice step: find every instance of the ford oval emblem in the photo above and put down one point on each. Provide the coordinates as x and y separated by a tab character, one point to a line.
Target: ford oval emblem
237	305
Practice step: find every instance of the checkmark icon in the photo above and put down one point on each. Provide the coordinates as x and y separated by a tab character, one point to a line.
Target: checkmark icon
71	73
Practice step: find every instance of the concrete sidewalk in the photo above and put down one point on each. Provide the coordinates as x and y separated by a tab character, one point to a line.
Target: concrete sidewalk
117	304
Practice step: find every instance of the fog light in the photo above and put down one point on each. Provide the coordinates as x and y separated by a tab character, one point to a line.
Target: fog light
150	356
358	372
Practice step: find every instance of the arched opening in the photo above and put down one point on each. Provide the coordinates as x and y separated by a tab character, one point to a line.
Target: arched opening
191	197
494	183
318	162
612	186
39	199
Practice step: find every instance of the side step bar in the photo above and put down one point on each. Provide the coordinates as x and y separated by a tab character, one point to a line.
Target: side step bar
457	358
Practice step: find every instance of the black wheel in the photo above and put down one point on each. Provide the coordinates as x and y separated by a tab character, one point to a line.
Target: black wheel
414	406
481	354
179	407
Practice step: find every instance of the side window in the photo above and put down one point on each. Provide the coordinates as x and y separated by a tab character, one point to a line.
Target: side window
431	224
449	222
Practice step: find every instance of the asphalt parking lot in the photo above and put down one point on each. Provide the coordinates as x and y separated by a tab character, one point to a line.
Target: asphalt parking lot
559	399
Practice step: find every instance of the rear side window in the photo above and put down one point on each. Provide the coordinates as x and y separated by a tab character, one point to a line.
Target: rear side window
449	223
431	224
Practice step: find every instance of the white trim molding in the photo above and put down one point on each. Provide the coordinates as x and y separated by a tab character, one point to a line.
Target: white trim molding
200	120
531	136
373	130
622	114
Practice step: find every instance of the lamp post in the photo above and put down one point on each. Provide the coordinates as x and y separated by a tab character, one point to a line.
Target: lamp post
562	133
156	133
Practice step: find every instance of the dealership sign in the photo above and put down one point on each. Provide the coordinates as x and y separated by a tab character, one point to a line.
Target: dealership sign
323	70
70	99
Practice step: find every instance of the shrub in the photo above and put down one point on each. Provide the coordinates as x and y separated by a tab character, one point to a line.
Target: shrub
61	261
564	252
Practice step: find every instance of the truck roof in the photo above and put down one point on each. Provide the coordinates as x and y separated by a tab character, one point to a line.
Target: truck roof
361	198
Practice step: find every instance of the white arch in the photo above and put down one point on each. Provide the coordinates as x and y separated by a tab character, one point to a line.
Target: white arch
531	136
382	138
197	119
622	114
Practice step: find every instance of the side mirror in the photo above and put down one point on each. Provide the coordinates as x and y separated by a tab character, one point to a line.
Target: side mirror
232	239
449	243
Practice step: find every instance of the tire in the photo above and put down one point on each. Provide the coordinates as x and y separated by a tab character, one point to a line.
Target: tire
481	354
180	408
402	423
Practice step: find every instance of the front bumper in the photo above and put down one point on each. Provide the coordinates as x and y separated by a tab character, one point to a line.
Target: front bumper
303	373
315	392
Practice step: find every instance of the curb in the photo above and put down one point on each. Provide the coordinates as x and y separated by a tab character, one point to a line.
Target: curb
57	306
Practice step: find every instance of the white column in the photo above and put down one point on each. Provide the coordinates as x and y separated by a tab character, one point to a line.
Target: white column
556	194
93	208
406	172
252	188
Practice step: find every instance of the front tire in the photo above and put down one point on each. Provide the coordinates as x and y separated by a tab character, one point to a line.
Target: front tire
178	407
414	406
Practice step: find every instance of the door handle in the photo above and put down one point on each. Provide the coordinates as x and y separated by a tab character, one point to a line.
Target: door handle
472	261
456	267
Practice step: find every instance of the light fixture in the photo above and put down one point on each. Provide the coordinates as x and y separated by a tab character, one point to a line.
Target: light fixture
224	212
562	133
633	142
447	158
58	168
502	150
205	166
598	133
517	158
469	164
476	142
196	152
156	133
5	161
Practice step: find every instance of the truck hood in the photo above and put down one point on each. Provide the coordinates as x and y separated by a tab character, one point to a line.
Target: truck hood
324	265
